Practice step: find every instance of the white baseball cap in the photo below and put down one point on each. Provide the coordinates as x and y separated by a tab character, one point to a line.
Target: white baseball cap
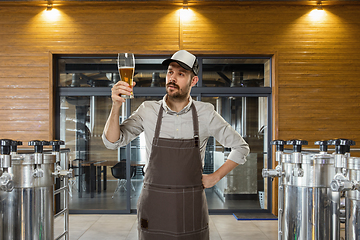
185	59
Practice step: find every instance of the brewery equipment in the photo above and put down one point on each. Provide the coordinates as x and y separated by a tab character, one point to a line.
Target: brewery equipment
278	172
352	200
27	190
347	181
341	155
13	146
307	203
6	180
304	187
310	189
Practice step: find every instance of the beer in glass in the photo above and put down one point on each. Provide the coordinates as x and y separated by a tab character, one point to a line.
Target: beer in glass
126	66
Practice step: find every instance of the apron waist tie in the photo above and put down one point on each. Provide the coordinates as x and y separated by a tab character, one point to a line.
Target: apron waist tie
179	187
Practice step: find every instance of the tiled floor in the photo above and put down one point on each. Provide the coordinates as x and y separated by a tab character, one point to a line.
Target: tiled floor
124	227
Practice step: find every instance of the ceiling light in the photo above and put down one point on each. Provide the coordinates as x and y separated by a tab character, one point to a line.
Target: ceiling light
319	6
185	5
49	7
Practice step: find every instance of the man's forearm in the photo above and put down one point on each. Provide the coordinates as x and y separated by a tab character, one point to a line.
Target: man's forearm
211	179
112	126
225	169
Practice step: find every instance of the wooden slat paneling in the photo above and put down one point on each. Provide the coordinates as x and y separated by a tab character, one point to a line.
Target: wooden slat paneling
24	82
27	36
23	115
22	93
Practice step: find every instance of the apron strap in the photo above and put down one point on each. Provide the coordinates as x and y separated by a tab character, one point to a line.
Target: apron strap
195	124
158	123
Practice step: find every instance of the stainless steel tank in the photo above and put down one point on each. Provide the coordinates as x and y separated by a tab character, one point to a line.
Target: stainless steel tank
308	199
307	207
27	191
352	201
28	211
44	200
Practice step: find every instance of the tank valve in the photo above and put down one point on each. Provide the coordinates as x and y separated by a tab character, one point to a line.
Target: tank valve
356	185
56	149
5	158
342	146
341	183
323	146
6	179
277	172
279	149
342	153
67	173
272	172
38	173
297	145
6	182
279	145
269	173
298	172
59	172
39	158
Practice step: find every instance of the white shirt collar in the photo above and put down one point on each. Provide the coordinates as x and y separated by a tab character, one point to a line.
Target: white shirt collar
184	110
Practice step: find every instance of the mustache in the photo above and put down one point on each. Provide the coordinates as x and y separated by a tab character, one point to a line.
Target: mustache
172	84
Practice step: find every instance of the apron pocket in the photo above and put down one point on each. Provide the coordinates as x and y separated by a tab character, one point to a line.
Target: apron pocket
201	214
172	211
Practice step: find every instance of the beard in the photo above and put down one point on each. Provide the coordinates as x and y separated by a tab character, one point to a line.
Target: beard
178	93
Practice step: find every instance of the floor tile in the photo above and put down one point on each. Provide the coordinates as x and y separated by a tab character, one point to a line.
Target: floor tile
124	227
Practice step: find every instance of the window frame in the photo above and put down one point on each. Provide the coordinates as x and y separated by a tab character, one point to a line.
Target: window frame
199	92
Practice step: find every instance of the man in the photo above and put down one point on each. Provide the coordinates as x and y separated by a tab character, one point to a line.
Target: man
172	204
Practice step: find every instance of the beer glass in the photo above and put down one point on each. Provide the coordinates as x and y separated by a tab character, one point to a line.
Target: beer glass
126	66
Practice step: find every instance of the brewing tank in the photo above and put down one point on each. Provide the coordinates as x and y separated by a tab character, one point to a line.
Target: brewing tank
27	211
352	201
308	199
44	200
311	188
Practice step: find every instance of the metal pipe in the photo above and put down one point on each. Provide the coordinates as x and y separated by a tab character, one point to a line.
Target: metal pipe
278	172
62	235
61	212
65	174
66	199
280	207
57	191
92	114
243	117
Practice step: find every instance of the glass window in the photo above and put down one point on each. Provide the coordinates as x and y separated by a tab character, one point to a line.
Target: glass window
82	120
149	72
84	103
236	72
103	72
87	72
243	187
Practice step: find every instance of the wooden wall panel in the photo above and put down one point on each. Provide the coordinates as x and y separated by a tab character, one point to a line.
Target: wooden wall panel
318	61
27	36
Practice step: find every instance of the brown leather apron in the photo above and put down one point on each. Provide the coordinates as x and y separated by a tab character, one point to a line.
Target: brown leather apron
172	204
